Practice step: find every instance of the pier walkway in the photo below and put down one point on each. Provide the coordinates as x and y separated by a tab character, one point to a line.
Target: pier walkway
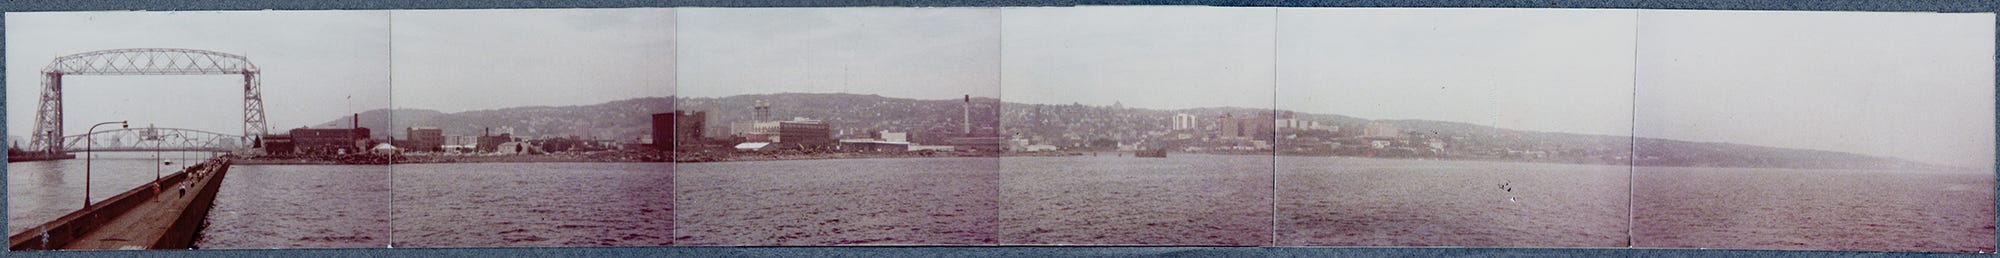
164	214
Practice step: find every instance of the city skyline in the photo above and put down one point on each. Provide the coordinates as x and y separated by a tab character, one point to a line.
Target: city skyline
1153	57
462	60
929	53
1906	85
338	66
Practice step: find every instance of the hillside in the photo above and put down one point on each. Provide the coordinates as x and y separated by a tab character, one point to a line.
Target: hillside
617	120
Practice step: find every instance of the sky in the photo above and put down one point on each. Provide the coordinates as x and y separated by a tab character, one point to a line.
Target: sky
317	65
918	53
1909	85
463	60
1529	69
1141	57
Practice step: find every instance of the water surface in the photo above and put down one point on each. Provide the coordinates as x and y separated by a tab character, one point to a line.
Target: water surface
1184	199
533	204
300	206
1820	209
1328	201
903	201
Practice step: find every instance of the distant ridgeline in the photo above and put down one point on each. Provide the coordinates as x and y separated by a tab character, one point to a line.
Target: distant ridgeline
1076	125
616	120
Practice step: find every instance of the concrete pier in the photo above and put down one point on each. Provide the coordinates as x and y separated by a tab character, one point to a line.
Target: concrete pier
164	214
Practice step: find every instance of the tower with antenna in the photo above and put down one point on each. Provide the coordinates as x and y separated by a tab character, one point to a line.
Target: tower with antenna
966	125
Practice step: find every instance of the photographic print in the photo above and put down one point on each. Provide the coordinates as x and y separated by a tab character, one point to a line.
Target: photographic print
1453	127
177	130
837	126
1814	131
531	127
1137	126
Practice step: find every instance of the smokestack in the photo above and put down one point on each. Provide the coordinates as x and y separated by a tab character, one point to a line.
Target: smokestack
967	125
357	121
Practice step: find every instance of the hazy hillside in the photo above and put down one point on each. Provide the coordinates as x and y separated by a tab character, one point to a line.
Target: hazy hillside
617	120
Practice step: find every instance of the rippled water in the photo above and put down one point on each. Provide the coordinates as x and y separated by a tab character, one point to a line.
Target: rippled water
917	201
1325	201
300	206
41	191
1103	200
533	204
1814	209
1185	199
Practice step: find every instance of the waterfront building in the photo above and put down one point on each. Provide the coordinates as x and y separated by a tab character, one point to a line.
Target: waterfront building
754	146
986	144
277	144
329	141
489	142
749	128
663	128
459	143
678	128
894	136
873	145
803	133
424	138
516	147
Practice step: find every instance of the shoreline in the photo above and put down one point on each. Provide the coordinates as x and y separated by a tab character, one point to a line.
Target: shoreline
713	157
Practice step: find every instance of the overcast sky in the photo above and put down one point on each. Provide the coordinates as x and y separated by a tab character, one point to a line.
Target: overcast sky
1144	57
317	66
1909	85
460	60
921	53
1540	70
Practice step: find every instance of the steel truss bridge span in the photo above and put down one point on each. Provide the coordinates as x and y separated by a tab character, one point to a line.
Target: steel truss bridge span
150	139
48	134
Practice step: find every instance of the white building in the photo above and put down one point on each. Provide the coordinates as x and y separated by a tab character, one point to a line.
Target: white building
1297	124
895	137
515	148
752	146
748	127
1184	122
1381	130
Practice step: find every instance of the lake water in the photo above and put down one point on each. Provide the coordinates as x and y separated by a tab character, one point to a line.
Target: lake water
911	201
1326	201
1185	199
1814	209
300	206
533	204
